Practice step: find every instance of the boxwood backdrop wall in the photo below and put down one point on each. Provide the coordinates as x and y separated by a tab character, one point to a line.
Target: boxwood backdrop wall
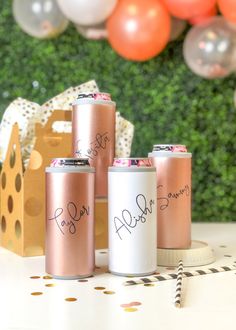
166	102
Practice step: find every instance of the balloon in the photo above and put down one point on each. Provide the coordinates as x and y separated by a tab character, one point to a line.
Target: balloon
201	18
186	9
39	18
94	32
139	29
87	12
228	9
209	48
177	28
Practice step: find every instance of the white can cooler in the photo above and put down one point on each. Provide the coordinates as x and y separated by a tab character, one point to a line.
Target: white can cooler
132	214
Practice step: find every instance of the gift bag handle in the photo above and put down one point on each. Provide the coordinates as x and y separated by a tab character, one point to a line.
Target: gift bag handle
57	115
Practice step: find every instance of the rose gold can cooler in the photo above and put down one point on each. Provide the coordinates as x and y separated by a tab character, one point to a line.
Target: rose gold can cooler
93	134
173	169
70	251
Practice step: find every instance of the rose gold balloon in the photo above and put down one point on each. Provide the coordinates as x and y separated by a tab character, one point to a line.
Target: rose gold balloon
186	9
177	28
138	29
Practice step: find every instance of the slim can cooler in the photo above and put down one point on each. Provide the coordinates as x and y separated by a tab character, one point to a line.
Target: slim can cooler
132	226
93	134
173	170
70	218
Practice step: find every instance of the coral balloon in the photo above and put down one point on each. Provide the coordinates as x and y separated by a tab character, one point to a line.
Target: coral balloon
87	12
228	9
139	29
209	48
39	18
201	18
186	9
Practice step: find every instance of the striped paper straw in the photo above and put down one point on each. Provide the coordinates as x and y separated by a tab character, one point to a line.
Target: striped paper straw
156	278
178	288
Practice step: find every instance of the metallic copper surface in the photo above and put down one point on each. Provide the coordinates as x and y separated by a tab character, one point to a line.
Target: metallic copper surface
173	201
69	223
93	136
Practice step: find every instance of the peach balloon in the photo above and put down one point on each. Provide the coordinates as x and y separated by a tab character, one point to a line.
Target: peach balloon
201	18
185	9
139	29
228	9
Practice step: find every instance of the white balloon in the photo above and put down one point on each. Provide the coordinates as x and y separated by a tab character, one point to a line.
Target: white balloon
87	12
39	18
210	48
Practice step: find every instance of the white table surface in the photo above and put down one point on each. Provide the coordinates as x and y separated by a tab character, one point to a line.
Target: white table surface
209	301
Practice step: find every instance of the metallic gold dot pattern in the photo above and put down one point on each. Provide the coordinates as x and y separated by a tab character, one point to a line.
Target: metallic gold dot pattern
82	281
47	277
34	277
50	285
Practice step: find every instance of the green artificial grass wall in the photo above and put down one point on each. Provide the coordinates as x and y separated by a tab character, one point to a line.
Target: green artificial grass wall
166	102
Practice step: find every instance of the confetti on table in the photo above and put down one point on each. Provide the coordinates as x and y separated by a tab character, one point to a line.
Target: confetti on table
82	281
50	285
47	277
34	277
130	309
36	293
135	303
70	299
149	284
109	292
99	288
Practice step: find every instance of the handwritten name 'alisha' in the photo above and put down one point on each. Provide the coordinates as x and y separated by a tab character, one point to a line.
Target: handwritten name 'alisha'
128	221
70	219
100	142
164	201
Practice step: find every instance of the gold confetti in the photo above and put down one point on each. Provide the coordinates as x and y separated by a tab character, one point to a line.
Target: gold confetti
99	288
109	292
34	277
36	293
82	281
70	299
149	284
130	309
49	285
47	277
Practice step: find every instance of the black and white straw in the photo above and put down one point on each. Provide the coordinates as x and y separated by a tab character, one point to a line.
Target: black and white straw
178	288
163	277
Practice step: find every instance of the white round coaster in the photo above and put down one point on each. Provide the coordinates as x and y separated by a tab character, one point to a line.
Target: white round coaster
199	254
